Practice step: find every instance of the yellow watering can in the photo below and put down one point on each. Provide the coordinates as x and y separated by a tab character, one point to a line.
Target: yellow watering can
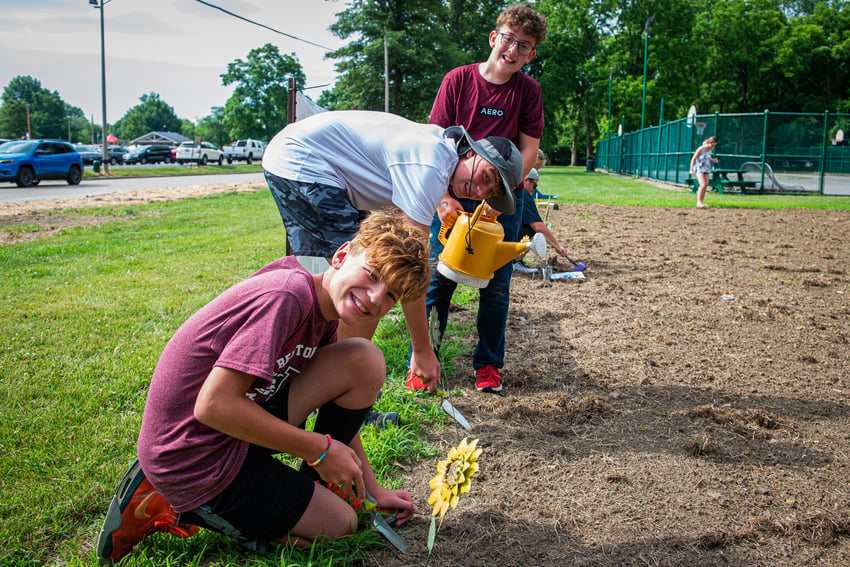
475	249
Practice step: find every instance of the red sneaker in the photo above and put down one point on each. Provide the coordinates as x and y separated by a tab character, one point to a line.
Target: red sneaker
136	510
413	381
488	380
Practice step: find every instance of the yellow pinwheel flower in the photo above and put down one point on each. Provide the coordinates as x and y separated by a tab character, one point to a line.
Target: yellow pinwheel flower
454	477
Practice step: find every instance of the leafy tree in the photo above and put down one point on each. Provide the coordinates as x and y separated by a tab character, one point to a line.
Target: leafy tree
23	88
420	47
469	25
257	108
741	37
151	114
567	69
49	115
79	126
13	118
187	128
824	73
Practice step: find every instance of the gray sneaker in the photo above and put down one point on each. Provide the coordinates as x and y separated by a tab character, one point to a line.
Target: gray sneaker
382	420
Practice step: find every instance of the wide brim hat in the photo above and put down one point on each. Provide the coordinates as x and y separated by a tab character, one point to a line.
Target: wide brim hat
502	154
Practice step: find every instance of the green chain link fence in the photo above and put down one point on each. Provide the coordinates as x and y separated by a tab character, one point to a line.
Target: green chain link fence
781	152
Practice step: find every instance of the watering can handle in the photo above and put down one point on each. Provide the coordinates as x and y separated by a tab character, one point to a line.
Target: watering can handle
475	216
444	228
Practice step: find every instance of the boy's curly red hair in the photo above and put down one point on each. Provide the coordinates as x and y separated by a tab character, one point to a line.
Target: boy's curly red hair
397	250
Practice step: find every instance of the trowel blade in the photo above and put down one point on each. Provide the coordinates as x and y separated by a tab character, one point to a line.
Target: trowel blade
455	414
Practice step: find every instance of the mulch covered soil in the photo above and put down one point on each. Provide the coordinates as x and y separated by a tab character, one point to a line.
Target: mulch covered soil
686	404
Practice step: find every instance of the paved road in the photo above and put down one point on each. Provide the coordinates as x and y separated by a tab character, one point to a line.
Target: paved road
89	187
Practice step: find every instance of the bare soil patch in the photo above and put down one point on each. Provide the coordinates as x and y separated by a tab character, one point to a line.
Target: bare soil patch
686	404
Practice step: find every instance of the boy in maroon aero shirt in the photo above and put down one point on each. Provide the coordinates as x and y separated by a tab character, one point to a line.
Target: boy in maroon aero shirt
490	98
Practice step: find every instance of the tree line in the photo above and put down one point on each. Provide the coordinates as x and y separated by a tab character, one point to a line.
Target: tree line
727	56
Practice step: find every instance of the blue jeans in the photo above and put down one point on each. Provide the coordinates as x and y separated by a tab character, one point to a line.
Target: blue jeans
494	299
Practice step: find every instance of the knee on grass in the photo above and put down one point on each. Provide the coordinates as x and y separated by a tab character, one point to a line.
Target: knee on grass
327	517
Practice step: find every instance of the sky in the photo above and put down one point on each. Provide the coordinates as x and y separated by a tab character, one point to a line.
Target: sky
175	48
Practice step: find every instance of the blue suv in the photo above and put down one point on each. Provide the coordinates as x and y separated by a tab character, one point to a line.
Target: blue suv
27	162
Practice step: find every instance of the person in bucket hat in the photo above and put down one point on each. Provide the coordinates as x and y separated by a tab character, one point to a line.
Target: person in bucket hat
327	171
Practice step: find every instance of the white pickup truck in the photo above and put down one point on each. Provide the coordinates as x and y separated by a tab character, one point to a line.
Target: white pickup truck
244	150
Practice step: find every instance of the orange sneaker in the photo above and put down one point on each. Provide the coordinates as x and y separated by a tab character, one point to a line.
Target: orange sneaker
136	510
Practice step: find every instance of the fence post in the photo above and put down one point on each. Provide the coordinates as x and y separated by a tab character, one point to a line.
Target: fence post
764	146
693	129
622	144
823	152
666	131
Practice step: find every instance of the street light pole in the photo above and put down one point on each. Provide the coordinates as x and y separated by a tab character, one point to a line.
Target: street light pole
610	82
643	98
645	50
105	149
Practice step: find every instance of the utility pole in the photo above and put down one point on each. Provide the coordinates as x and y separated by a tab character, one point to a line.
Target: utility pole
104	133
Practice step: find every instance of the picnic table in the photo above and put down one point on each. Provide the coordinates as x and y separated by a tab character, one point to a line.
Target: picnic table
723	179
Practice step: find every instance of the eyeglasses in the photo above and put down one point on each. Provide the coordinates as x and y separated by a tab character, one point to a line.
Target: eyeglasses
508	41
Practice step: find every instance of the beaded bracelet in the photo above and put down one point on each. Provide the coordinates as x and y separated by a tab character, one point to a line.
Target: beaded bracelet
323	455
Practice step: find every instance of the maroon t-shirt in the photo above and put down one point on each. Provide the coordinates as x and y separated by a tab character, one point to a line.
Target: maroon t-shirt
466	99
268	326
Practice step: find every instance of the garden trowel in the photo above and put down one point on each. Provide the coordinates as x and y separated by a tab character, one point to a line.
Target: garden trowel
436	338
380	524
451	410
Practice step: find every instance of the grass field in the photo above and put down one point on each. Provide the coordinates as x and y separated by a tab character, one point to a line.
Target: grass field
86	314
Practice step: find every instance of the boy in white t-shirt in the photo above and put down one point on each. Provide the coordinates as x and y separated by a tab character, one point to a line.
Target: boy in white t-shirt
327	171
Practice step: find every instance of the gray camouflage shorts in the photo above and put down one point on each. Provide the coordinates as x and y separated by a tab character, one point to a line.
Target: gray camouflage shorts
318	218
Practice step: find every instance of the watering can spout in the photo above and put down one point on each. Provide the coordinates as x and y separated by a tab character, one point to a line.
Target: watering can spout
475	249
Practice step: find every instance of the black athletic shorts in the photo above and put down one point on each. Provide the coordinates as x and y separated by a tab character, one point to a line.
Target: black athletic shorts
264	501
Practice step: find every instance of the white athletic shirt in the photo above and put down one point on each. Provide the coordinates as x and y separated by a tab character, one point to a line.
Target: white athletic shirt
377	157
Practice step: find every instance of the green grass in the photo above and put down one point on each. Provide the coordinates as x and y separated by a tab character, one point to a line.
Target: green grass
575	185
164	170
86	314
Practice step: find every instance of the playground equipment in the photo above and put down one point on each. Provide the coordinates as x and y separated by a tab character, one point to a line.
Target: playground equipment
752	171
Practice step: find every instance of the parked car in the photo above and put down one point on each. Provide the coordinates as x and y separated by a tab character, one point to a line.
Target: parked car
149	154
27	162
116	154
187	151
244	150
88	153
